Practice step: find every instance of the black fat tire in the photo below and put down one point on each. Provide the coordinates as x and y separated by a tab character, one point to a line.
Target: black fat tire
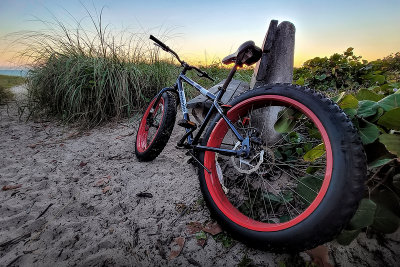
164	132
344	192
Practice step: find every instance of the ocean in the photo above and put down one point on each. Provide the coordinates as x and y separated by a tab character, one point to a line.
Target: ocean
21	73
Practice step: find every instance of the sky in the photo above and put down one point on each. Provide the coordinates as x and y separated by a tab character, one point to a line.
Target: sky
205	31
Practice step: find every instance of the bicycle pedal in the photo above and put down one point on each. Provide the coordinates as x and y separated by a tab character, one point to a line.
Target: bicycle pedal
187	124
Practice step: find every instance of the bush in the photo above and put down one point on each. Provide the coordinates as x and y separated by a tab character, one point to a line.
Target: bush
369	94
376	114
347	72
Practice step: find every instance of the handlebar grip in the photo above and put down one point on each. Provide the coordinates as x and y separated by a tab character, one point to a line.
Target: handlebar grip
161	44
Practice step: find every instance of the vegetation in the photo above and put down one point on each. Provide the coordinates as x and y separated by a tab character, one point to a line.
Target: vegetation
376	114
347	72
92	75
369	94
6	82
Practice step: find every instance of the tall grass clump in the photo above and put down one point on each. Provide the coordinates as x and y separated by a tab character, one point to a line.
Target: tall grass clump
6	82
88	73
5	95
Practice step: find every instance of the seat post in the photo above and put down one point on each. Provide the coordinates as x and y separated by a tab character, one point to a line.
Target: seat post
229	78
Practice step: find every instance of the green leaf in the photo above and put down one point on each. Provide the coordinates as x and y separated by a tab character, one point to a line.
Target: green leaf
286	121
281	198
307	146
347	236
390	102
351	112
365	94
313	133
368	132
201	235
391	142
308	187
379	113
294	138
312	170
225	239
338	97
315	153
349	101
300	81
287	196
364	215
379	79
378	163
272	197
367	108
299	151
391	119
321	77
385	221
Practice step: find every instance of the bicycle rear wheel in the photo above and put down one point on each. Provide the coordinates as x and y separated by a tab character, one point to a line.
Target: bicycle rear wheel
303	179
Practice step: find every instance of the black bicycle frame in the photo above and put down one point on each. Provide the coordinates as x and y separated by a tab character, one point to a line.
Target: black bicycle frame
193	142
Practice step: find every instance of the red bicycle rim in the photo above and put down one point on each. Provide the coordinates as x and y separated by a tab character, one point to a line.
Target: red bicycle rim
214	186
143	132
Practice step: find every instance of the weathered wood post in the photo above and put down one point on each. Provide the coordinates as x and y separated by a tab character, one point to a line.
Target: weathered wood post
275	66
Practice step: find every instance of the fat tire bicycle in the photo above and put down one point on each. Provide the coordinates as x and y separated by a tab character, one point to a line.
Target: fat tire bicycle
281	167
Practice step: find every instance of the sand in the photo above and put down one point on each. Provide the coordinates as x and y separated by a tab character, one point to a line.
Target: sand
78	206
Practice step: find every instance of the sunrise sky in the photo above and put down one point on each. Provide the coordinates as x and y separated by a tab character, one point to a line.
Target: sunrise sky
203	31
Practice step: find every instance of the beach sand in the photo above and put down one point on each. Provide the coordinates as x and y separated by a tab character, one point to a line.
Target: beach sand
78	206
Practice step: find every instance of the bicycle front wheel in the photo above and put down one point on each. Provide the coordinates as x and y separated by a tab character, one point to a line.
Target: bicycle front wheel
156	127
303	179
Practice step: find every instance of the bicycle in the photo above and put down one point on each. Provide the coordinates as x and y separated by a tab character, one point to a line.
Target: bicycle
286	184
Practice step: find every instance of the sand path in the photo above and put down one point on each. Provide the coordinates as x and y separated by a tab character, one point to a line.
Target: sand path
78	203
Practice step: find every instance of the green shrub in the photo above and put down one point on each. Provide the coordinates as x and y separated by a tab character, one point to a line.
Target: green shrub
369	94
376	114
347	72
80	76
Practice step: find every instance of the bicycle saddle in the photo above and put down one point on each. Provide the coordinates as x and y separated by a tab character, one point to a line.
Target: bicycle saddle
248	53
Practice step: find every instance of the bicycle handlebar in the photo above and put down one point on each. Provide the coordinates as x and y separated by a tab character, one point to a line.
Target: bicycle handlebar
161	44
165	48
183	63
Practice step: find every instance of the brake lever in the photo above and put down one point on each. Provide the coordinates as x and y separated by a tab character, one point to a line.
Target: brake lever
205	75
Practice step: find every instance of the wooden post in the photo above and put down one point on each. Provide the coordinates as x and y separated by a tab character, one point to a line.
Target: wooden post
275	66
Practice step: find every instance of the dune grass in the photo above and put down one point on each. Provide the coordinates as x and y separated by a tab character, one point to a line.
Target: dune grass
93	74
6	82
